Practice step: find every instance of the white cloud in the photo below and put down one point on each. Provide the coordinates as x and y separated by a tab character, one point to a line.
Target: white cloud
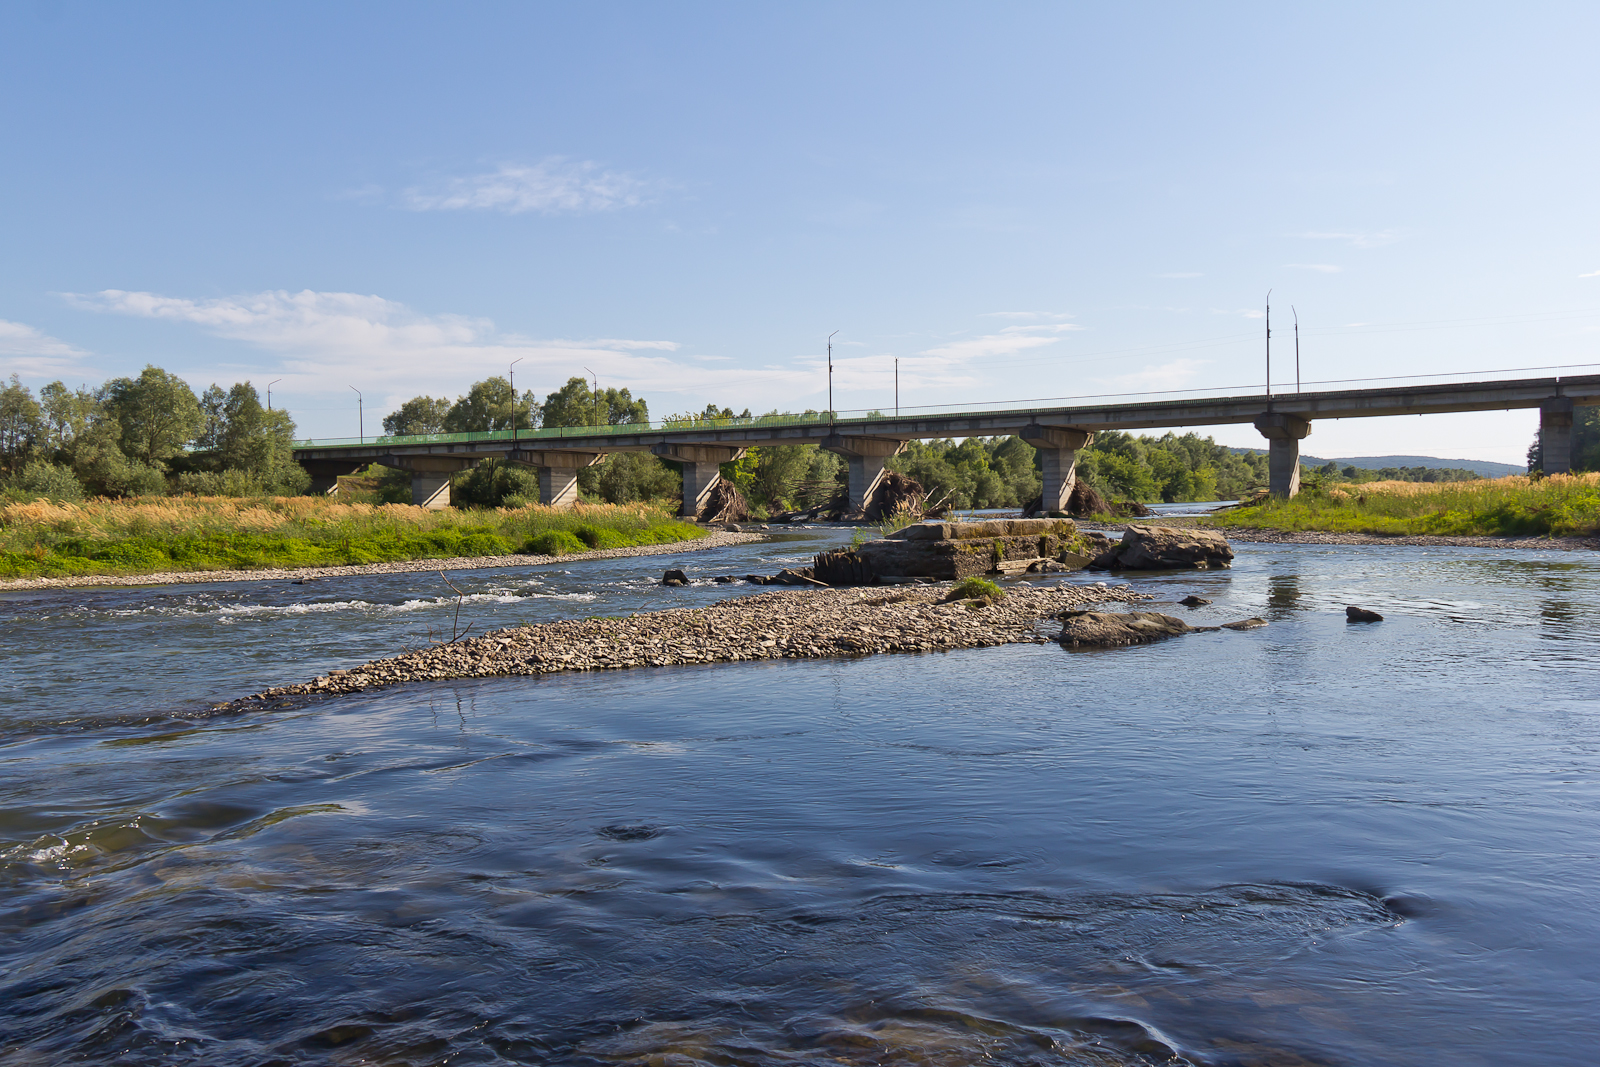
1008	342
325	341
553	186
1324	268
1166	376
1357	240
1025	315
1591	274
33	354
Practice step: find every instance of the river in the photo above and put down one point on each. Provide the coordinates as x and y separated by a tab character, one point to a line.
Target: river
1313	843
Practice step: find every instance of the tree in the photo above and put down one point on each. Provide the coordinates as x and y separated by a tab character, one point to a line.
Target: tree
491	405
157	414
575	404
22	425
1585	442
68	414
417	416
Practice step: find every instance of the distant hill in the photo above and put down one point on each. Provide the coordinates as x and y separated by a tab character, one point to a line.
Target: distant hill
1486	468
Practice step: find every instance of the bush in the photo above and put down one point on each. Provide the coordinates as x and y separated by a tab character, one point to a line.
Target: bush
976	589
553	543
42	479
491	483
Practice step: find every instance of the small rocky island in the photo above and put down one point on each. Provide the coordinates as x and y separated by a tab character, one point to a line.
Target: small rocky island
791	624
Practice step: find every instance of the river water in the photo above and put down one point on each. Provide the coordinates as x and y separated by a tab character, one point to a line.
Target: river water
1314	843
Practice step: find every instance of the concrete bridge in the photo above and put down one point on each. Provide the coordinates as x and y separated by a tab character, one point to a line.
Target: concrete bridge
700	445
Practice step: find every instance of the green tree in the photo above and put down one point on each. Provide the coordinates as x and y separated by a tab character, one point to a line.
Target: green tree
22	425
157	414
575	404
417	416
490	405
626	477
68	414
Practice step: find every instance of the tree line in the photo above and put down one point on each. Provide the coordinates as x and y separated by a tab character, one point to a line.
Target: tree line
144	436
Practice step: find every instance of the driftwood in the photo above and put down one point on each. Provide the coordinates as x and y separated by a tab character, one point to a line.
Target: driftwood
725	504
1085	501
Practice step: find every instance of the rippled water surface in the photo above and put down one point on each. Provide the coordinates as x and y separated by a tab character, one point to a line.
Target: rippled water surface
1315	843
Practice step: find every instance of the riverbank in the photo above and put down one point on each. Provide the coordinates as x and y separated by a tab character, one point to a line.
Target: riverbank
797	624
1266	535
191	535
712	539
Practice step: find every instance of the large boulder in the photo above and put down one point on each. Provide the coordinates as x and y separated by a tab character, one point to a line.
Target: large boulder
1105	629
1153	548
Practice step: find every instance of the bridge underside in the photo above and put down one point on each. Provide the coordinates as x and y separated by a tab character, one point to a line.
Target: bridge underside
865	444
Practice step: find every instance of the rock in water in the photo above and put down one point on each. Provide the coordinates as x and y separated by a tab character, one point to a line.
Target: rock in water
1255	623
1104	629
1192	601
1355	614
1152	548
674	577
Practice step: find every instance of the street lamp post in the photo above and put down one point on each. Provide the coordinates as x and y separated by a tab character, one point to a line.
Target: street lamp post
361	415
1269	349
596	378
897	387
830	376
512	370
270	384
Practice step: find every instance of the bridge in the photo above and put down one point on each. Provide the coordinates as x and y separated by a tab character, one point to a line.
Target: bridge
866	443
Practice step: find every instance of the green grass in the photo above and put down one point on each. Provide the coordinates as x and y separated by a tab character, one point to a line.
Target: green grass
1558	506
156	535
975	588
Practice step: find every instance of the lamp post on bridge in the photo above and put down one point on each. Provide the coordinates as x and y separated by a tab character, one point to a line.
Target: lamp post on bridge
512	370
361	415
830	376
270	384
1296	348
596	378
1269	349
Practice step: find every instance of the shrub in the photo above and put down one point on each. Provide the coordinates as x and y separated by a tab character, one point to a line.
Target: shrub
42	479
976	589
553	543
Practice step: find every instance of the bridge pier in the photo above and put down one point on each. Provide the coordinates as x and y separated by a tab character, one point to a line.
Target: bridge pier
1284	434
700	465
558	472
865	457
1555	435
1058	454
430	476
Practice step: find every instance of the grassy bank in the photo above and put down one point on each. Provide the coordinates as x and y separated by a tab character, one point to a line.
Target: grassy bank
1558	506
155	535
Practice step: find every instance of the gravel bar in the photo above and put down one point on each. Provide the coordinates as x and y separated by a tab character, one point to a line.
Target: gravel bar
792	624
716	539
1252	535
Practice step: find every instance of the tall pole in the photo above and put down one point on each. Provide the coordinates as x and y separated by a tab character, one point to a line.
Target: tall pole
1296	348
596	378
270	384
1269	348
512	370
830	375
361	416
897	387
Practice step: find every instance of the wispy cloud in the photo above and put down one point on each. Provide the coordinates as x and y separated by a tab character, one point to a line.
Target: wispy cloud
1174	375
34	354
1181	274
1050	316
1324	268
1008	342
1358	240
324	341
1591	274
552	186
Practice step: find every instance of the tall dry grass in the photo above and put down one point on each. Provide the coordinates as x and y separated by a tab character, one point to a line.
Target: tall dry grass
1558	505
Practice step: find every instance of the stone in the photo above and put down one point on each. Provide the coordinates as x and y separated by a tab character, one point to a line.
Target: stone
724	579
1355	614
1166	548
1074	561
1192	601
1107	629
733	527
1254	623
674	577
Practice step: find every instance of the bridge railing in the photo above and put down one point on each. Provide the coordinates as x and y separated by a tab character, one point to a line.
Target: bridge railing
556	433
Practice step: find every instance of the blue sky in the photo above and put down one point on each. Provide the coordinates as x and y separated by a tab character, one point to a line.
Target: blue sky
1017	201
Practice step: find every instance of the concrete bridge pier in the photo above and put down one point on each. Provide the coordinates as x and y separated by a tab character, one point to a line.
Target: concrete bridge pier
558	472
1058	453
700	473
325	473
865	457
1284	434
430	476
1555	435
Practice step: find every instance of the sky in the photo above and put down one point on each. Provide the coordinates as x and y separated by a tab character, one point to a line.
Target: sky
1017	201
